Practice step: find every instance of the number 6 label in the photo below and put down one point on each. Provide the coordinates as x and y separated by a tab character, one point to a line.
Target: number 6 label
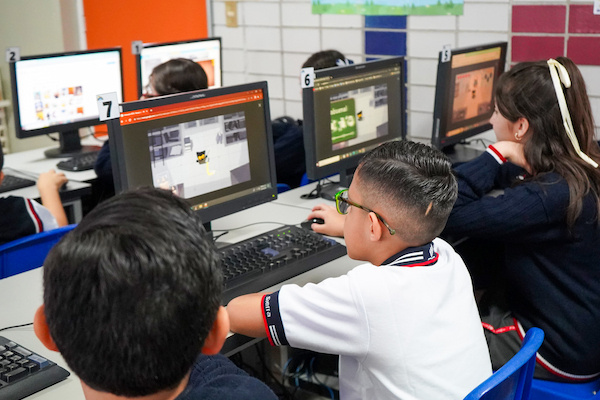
307	77
108	106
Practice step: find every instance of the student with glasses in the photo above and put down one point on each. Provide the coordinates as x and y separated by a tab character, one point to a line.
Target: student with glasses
405	324
539	241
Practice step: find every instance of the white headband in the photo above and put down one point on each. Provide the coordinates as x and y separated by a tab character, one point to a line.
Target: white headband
559	74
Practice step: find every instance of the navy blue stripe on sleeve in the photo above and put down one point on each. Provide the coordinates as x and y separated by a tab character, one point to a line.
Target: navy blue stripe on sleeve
272	317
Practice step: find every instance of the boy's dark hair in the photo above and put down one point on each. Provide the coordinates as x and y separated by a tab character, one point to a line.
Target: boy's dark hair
324	59
178	75
132	292
415	186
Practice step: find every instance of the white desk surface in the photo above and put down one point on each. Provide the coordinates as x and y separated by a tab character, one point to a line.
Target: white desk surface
27	287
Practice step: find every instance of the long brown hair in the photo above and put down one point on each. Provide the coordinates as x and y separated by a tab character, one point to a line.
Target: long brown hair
527	91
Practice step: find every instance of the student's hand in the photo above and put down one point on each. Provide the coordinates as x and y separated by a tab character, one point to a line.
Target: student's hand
51	180
334	221
513	152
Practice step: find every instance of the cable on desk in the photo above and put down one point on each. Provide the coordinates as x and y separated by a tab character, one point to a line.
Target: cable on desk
16	326
316	192
226	231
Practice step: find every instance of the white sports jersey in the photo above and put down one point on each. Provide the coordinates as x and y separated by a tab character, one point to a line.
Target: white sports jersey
408	329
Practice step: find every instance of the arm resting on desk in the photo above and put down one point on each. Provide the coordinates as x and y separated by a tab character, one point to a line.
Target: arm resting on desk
246	316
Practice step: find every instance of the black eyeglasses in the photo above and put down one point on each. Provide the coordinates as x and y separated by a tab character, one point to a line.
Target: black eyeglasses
342	203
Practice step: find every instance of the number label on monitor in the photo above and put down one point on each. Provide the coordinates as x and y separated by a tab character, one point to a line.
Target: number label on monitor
108	106
446	53
136	46
596	7
13	54
307	77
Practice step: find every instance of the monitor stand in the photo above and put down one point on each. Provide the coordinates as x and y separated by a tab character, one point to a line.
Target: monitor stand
459	153
329	190
70	145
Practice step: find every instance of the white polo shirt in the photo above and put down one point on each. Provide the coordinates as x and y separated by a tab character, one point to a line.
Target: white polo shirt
408	329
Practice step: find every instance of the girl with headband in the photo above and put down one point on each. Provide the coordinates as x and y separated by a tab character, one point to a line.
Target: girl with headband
536	246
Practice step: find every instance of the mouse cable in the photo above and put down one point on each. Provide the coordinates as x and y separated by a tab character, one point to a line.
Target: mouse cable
16	326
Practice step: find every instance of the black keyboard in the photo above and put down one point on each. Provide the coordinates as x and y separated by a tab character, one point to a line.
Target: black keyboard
80	162
265	260
12	182
23	372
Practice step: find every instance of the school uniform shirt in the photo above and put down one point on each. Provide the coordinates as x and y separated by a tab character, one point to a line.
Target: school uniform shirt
408	329
20	217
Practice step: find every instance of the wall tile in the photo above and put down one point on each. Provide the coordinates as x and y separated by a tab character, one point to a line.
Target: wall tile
584	50
233	60
232	38
539	19
428	44
342	21
484	17
262	39
275	84
292	63
385	22
301	39
347	41
233	78
294	109
302	15
466	39
583	20
420	125
292	89
260	14
262	62
421	98
438	22
385	43
276	108
591	75
422	72
218	13
531	48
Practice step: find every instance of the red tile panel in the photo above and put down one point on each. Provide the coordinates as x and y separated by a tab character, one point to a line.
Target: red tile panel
539	19
533	48
583	20
584	50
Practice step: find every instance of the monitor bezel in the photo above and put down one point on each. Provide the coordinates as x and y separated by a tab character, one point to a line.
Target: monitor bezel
439	139
314	172
219	210
138	57
21	133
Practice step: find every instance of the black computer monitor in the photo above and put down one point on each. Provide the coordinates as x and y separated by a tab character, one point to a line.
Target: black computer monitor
464	93
57	93
350	110
214	148
206	52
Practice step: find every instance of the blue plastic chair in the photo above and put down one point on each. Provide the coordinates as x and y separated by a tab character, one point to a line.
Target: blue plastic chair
513	380
29	252
546	390
282	187
304	180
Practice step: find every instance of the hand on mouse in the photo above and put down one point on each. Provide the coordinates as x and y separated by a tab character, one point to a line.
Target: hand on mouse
51	180
334	221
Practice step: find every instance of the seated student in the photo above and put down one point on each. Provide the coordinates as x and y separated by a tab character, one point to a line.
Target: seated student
173	76
544	228
21	217
405	324
288	141
131	300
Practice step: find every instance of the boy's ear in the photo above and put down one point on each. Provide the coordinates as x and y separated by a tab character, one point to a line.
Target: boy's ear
376	232
40	327
218	333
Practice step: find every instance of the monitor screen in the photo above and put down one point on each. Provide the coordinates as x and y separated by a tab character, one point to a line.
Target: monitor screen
57	93
206	52
464	92
213	148
350	110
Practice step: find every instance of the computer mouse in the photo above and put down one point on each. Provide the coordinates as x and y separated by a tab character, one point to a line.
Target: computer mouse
307	224
64	187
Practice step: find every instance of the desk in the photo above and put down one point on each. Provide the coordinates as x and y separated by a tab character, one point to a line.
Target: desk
31	281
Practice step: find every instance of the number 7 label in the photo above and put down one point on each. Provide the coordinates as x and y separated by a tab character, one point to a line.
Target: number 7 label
108	106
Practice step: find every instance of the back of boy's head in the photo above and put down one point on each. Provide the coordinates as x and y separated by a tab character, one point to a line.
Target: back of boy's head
414	186
178	75
324	59
132	292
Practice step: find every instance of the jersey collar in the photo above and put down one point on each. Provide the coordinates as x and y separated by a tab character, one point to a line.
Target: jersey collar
420	256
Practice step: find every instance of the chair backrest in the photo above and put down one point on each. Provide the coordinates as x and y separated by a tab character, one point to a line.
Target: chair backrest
29	252
513	380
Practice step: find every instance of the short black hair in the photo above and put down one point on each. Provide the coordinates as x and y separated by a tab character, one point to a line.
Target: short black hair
324	59
178	75
132	292
414	183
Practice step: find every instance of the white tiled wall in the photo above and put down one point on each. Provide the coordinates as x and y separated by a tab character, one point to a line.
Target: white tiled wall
275	37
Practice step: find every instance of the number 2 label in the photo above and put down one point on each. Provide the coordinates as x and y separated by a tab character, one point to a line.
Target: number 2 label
13	54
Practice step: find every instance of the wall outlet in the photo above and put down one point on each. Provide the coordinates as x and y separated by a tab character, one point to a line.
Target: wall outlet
597	7
231	14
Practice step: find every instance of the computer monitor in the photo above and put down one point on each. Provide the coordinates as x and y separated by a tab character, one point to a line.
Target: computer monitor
57	93
464	93
350	110
214	148
206	52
